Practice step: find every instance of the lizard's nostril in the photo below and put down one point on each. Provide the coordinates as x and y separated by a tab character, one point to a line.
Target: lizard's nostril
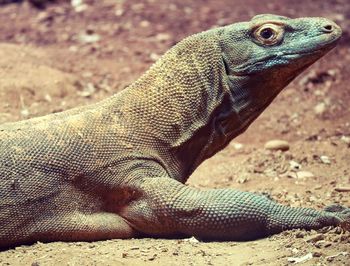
328	28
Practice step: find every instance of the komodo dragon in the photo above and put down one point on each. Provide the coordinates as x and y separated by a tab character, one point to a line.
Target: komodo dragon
116	169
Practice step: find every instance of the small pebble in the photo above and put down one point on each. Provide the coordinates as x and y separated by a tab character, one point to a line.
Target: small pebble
294	165
317	254
327	244
300	259
89	38
237	146
315	238
330	259
300	234
345	139
320	108
304	174
325	159
342	189
275	145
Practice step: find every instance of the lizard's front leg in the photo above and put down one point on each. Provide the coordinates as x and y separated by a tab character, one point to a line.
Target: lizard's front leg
166	207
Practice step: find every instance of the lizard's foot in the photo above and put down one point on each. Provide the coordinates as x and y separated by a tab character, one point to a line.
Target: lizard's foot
342	213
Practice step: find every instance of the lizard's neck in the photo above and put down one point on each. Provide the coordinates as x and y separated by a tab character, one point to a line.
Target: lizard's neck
175	103
188	106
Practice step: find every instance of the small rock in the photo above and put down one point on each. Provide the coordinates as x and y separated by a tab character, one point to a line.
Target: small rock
242	180
338	230
342	189
89	38
304	174
119	12
320	108
163	37
144	23
87	74
48	97
289	245
79	5
316	254
315	238
345	139
275	145
331	258
294	165
295	251
300	234
81	8
191	240
153	257
154	56
300	259
89	90
237	146
327	244
25	112
43	16
325	159
73	49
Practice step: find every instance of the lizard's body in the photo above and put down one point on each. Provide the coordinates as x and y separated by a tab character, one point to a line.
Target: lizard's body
116	169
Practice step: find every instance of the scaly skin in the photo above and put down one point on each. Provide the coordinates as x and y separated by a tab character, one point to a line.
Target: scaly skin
117	169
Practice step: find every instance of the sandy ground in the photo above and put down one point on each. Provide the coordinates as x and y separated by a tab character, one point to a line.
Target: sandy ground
60	57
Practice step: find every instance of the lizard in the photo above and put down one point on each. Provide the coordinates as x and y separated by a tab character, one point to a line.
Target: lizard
117	168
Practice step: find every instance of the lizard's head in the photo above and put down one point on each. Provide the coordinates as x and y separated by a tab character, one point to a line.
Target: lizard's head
262	56
258	59
270	43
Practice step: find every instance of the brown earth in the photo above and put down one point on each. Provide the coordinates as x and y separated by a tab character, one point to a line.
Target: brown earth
56	58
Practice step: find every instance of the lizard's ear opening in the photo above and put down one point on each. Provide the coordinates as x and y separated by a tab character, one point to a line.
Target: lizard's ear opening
269	34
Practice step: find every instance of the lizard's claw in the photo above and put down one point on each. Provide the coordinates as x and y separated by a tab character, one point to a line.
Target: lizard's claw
345	225
345	216
342	213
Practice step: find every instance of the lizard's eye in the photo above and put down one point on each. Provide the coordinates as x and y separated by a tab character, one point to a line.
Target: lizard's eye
269	34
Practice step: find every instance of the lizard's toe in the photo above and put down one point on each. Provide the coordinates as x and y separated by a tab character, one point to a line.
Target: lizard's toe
340	216
342	213
345	217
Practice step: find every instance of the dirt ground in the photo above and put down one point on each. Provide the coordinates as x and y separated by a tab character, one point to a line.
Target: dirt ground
68	55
